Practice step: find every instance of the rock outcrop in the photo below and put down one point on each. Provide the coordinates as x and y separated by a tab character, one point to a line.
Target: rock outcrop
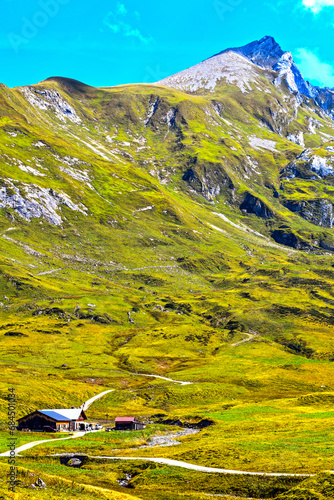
290	239
319	211
207	181
309	165
253	205
46	99
31	201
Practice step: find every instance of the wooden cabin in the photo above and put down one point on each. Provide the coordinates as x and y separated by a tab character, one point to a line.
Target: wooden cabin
128	424
59	420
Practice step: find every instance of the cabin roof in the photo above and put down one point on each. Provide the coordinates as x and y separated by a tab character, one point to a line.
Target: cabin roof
61	414
64	414
125	419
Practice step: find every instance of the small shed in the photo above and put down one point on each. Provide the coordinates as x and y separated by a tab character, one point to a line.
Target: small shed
128	424
58	419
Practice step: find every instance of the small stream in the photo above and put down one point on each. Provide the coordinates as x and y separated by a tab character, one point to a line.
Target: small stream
164	440
168	439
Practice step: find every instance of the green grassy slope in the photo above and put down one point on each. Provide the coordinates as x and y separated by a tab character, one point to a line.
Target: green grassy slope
126	248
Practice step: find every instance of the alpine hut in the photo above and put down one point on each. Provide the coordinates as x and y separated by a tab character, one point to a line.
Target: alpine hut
58	420
128	424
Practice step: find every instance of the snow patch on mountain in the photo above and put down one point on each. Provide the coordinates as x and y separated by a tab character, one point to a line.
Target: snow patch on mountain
240	226
39	144
26	168
150	207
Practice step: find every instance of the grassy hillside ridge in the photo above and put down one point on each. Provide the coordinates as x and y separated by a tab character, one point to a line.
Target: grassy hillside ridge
148	230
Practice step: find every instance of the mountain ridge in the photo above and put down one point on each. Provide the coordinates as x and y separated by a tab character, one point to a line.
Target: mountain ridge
267	54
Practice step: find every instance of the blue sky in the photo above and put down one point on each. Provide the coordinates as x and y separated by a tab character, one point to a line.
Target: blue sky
126	41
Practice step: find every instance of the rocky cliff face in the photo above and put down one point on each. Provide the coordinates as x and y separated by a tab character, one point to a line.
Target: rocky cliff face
313	201
267	53
309	165
318	211
254	205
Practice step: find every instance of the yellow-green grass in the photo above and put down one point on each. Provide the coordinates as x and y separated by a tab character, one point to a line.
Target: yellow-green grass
57	487
172	289
273	436
21	438
160	482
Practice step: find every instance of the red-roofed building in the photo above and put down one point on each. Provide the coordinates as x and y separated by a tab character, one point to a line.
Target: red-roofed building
128	424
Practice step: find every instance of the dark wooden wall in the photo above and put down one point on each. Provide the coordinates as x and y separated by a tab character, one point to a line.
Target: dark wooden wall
36	421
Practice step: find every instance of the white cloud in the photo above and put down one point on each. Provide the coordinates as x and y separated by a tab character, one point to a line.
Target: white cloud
121	9
119	21
314	69
317	5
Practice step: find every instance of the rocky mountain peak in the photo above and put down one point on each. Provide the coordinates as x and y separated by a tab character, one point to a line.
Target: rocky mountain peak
265	52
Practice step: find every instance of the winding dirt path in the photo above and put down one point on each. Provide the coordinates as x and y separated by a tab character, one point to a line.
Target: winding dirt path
250	336
200	468
95	398
182	382
27	446
76	435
